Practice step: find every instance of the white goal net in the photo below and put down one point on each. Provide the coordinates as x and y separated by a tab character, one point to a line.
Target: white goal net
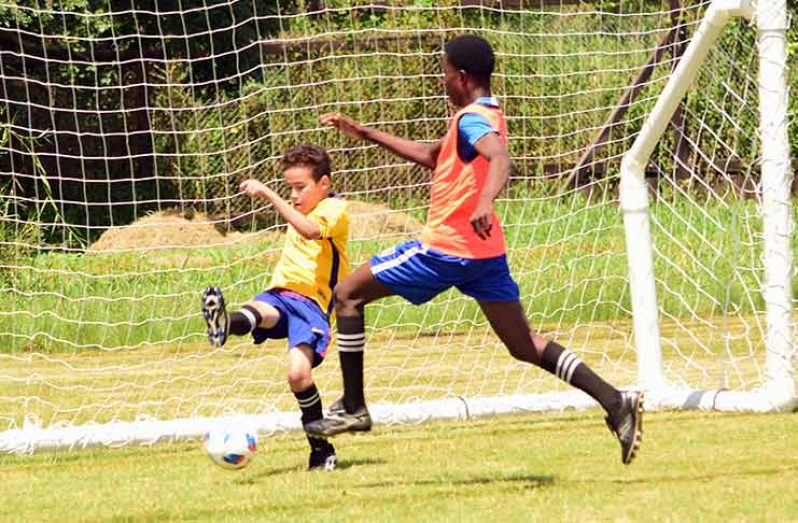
126	130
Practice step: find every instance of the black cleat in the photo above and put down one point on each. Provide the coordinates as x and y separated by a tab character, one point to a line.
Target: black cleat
323	459
626	422
215	315
338	421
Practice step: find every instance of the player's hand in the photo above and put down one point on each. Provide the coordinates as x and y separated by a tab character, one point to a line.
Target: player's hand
482	219
343	123
255	189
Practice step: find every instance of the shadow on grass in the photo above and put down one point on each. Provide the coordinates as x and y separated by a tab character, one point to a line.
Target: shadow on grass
687	477
533	481
342	465
349	463
88	456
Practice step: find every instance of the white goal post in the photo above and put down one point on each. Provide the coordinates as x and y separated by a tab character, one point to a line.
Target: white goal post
778	392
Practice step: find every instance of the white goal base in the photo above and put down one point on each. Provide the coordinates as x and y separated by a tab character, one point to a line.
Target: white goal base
149	432
32	439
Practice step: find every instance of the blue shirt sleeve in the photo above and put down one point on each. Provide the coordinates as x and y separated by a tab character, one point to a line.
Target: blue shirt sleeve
470	129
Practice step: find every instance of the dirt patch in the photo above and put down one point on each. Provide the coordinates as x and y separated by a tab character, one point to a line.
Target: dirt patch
170	229
373	220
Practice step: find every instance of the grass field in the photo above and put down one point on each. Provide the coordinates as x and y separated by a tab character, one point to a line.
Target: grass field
193	380
552	467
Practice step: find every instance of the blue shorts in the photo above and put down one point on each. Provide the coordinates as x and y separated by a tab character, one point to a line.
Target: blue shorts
418	274
301	321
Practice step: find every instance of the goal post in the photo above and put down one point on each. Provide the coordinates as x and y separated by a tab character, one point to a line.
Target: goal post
778	392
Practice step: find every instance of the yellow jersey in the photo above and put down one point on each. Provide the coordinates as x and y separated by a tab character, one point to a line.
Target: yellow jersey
312	268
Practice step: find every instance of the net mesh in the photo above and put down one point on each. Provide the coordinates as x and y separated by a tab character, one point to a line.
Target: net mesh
126	130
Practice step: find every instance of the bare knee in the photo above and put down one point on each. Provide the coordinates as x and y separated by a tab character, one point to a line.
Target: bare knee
299	379
300	363
539	342
346	303
269	315
528	348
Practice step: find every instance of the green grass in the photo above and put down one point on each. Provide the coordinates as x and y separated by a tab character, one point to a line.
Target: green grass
567	255
552	467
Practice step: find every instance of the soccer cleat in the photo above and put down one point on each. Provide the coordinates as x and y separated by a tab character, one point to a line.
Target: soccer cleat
323	459
339	421
626	423
215	315
337	407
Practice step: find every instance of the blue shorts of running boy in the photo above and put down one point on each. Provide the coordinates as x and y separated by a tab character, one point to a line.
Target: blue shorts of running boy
301	321
418	274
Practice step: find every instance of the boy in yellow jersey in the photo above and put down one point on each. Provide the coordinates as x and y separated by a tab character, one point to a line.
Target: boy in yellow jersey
297	304
463	246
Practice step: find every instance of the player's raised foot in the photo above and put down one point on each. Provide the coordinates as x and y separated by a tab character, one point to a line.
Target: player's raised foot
215	315
626	422
338	421
323	459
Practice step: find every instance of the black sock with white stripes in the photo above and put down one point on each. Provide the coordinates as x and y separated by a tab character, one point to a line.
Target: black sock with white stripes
568	367
310	404
245	320
351	341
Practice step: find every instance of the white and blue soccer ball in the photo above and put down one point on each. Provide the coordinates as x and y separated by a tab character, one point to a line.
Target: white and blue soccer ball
231	446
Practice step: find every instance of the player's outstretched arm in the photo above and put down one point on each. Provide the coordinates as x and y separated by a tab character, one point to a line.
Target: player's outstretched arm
499	169
306	227
424	154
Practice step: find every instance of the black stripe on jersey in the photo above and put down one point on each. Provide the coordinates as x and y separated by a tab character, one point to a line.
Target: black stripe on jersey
336	261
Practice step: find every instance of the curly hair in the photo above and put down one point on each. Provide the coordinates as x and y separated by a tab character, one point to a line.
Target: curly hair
308	155
472	54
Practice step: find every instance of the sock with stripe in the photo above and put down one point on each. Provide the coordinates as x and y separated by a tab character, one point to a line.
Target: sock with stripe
568	367
245	320
309	402
351	341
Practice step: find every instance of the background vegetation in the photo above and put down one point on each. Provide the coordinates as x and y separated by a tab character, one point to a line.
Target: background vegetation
123	110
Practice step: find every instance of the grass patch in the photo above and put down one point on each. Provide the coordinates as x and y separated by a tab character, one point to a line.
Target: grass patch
562	467
567	255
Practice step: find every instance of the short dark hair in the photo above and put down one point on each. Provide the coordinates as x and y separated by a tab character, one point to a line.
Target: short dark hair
473	54
308	155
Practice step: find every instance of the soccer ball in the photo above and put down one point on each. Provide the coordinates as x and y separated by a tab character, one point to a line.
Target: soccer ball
231	447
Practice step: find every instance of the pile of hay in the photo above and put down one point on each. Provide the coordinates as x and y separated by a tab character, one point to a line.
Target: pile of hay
171	229
370	221
167	229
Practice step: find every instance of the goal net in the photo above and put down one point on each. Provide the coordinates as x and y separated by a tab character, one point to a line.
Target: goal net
126	131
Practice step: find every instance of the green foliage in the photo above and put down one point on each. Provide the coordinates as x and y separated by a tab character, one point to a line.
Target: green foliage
92	123
25	225
17	238
218	107
196	30
792	79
